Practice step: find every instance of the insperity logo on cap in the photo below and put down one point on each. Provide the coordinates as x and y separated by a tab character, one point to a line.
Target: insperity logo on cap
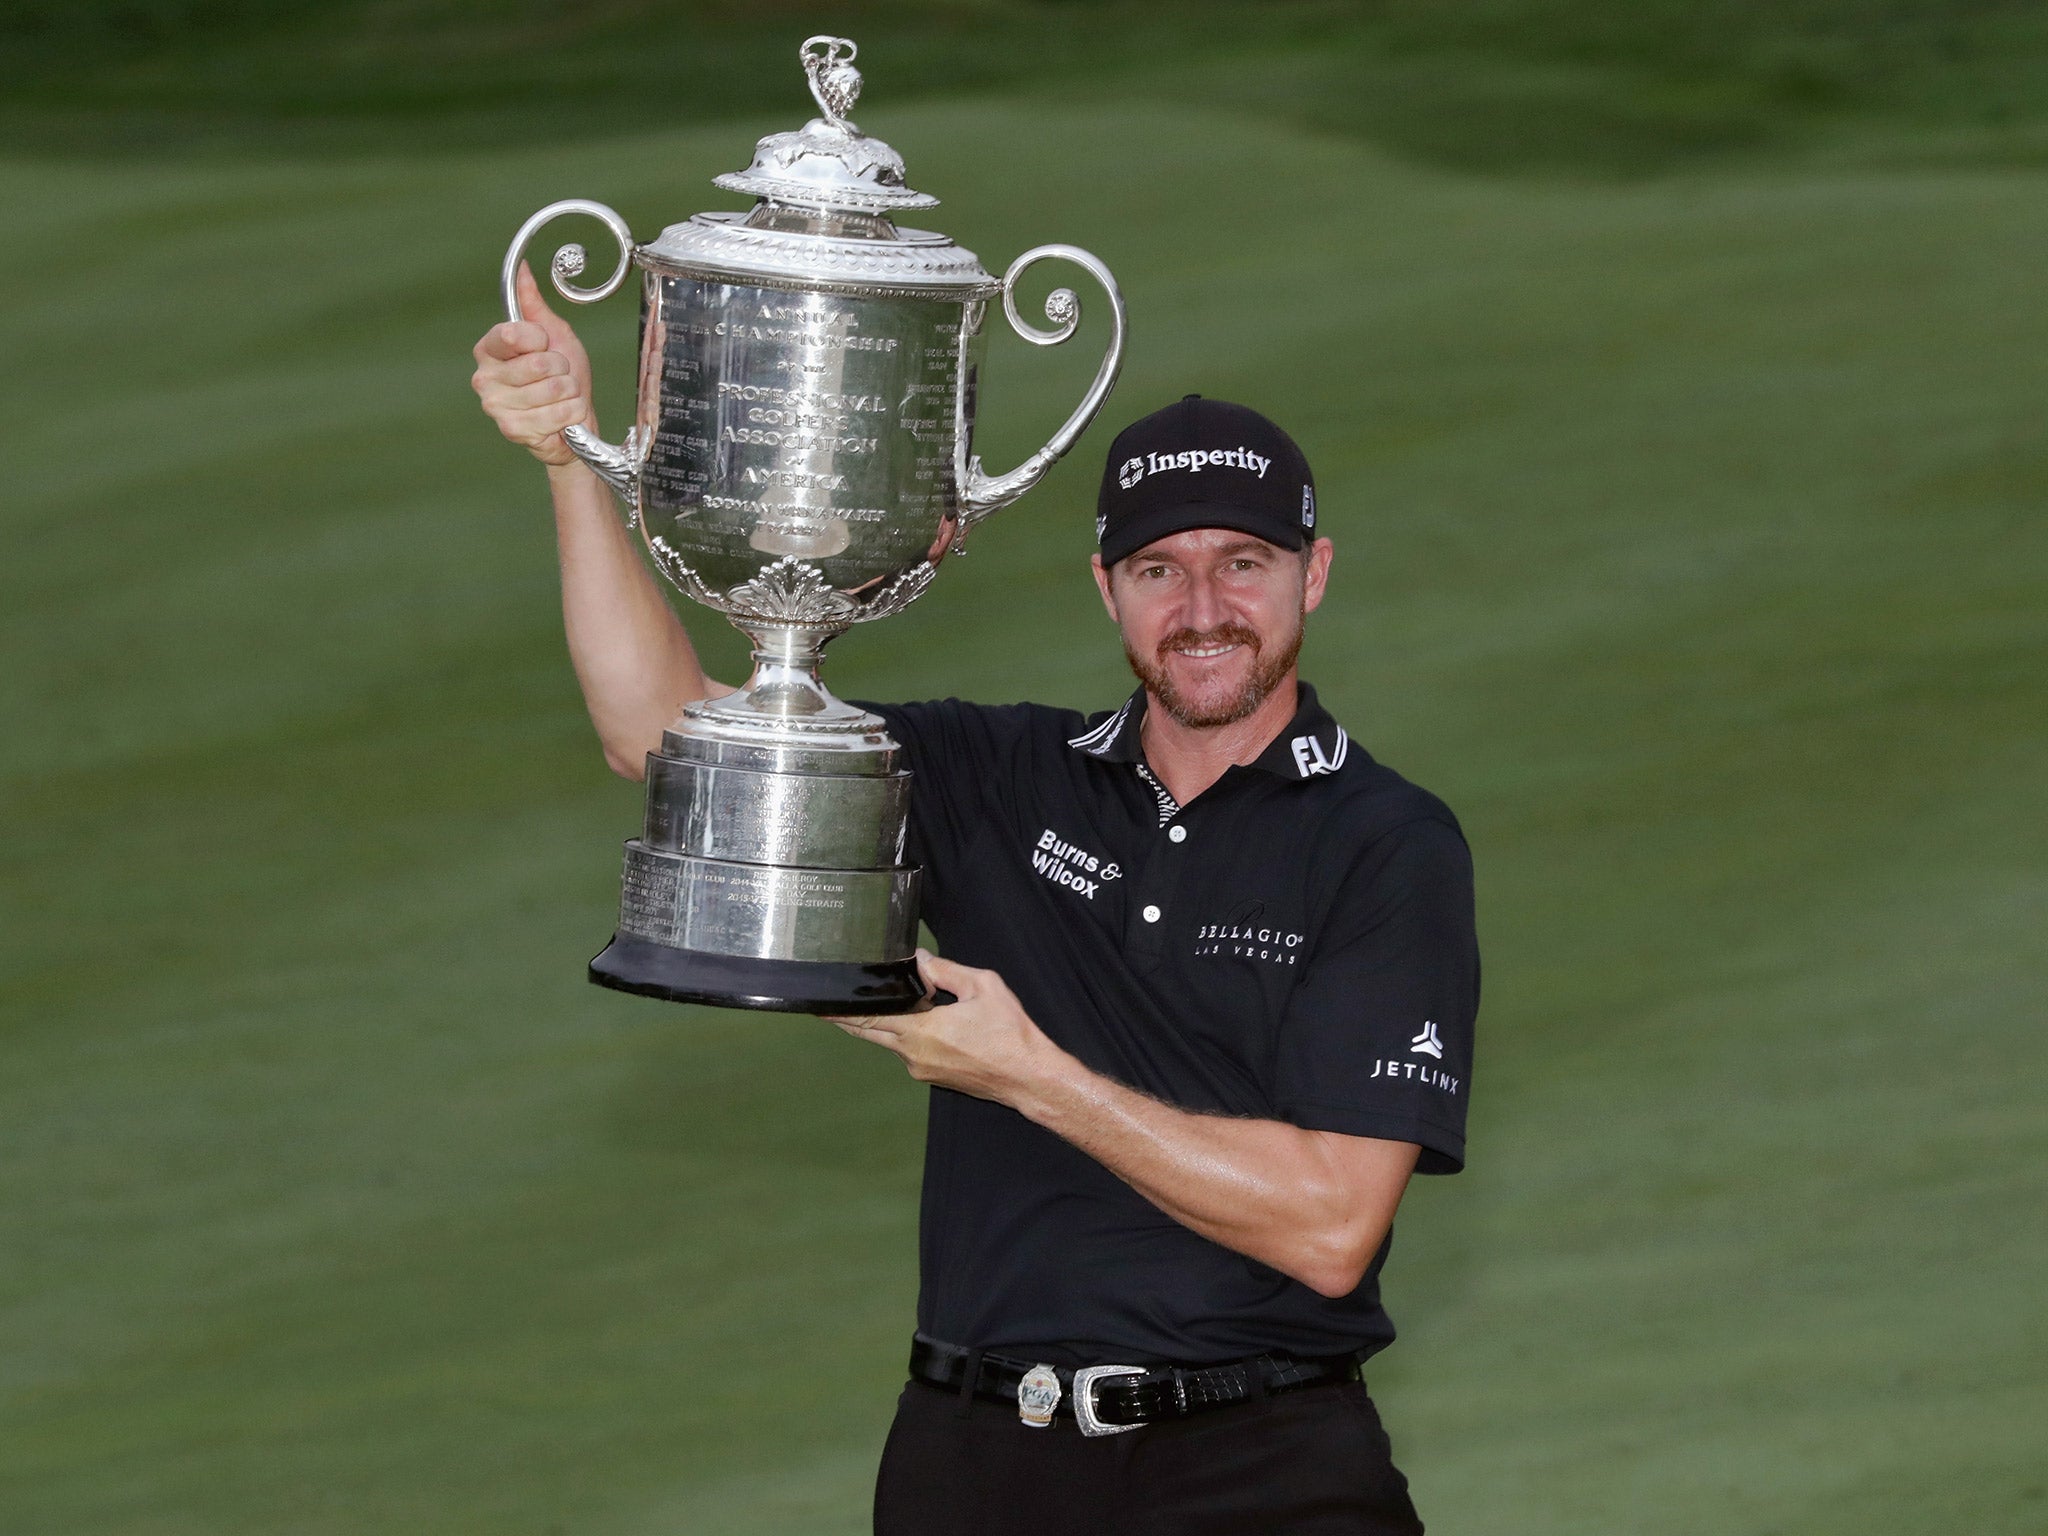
1203	464
1194	461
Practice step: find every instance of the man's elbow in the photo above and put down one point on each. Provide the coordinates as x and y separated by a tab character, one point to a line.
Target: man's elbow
1335	1279
1334	1262
627	765
1345	1215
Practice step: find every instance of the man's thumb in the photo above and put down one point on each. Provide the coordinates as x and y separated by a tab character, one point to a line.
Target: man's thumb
943	972
532	306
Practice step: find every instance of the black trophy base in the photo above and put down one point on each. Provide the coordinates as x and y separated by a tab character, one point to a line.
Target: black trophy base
738	981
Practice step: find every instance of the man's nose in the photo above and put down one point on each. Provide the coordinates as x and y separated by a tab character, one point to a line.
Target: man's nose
1206	606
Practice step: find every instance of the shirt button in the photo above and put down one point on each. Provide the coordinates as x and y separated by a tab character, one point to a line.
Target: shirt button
1176	834
1150	914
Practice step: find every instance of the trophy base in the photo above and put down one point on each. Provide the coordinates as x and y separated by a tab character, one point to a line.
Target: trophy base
742	981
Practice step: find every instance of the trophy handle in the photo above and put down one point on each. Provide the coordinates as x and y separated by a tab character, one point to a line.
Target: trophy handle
617	467
982	493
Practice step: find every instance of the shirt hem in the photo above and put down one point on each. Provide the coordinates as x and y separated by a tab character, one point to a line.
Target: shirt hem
1443	1149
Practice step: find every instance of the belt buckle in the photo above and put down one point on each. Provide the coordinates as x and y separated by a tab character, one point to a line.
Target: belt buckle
1084	1397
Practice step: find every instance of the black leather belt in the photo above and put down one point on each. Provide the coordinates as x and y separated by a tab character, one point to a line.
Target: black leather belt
1109	1399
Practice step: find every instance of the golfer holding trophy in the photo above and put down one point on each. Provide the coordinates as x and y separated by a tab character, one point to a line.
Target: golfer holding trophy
1211	974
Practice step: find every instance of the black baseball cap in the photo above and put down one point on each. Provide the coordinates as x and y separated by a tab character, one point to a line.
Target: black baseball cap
1203	464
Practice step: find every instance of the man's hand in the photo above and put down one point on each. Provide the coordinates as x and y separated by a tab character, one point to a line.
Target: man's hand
985	1044
533	377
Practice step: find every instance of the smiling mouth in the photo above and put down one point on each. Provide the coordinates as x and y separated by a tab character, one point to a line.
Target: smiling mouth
1209	644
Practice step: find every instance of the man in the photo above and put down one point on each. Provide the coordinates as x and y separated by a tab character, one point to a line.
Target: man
1216	980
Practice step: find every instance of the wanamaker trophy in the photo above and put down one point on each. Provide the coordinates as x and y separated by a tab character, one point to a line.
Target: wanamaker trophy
801	461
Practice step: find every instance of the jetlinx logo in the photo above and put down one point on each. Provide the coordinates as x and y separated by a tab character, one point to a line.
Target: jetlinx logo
1194	461
1428	1043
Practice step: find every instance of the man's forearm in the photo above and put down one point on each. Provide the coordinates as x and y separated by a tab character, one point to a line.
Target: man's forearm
1312	1204
1315	1205
632	656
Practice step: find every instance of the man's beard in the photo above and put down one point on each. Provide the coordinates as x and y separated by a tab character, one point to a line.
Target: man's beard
1265	675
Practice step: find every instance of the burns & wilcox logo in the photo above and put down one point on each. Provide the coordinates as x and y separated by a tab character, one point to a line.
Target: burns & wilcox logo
1076	868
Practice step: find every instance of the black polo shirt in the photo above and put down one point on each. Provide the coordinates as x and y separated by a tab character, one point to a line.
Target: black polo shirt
1295	944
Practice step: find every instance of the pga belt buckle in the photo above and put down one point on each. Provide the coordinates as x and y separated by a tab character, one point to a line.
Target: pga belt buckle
1038	1394
1084	1397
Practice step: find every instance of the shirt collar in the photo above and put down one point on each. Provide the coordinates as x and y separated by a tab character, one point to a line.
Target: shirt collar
1308	746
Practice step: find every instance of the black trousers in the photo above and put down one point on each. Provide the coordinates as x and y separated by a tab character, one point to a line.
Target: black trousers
1309	1463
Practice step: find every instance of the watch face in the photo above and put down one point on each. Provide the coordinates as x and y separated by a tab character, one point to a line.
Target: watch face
1037	1395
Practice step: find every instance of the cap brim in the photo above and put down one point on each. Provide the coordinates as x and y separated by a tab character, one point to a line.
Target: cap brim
1132	535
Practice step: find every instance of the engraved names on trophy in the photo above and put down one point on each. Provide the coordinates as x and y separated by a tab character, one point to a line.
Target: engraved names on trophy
805	889
763	817
651	897
720	907
782	421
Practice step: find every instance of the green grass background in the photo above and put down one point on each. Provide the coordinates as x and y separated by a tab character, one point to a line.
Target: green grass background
1676	379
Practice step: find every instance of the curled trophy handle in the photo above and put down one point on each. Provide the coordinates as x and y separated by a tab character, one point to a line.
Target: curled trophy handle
617	467
982	493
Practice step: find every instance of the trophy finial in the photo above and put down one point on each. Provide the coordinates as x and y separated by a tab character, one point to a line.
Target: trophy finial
835	83
828	163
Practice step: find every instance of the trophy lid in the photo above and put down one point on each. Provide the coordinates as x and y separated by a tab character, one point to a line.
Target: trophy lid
828	163
823	221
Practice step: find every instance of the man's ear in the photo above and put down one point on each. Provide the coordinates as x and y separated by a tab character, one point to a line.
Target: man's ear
1316	573
1102	585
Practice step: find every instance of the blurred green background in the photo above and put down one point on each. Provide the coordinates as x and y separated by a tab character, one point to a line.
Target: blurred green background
1675	374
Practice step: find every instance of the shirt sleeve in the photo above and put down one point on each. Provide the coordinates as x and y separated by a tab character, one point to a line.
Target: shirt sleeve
1377	1039
946	748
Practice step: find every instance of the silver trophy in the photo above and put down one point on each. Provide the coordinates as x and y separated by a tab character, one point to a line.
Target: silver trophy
801	461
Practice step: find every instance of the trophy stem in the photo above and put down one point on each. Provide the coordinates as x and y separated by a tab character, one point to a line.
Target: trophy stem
785	696
786	663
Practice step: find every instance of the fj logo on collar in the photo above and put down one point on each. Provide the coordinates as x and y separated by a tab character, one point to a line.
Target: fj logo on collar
1428	1043
1310	758
1038	1393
